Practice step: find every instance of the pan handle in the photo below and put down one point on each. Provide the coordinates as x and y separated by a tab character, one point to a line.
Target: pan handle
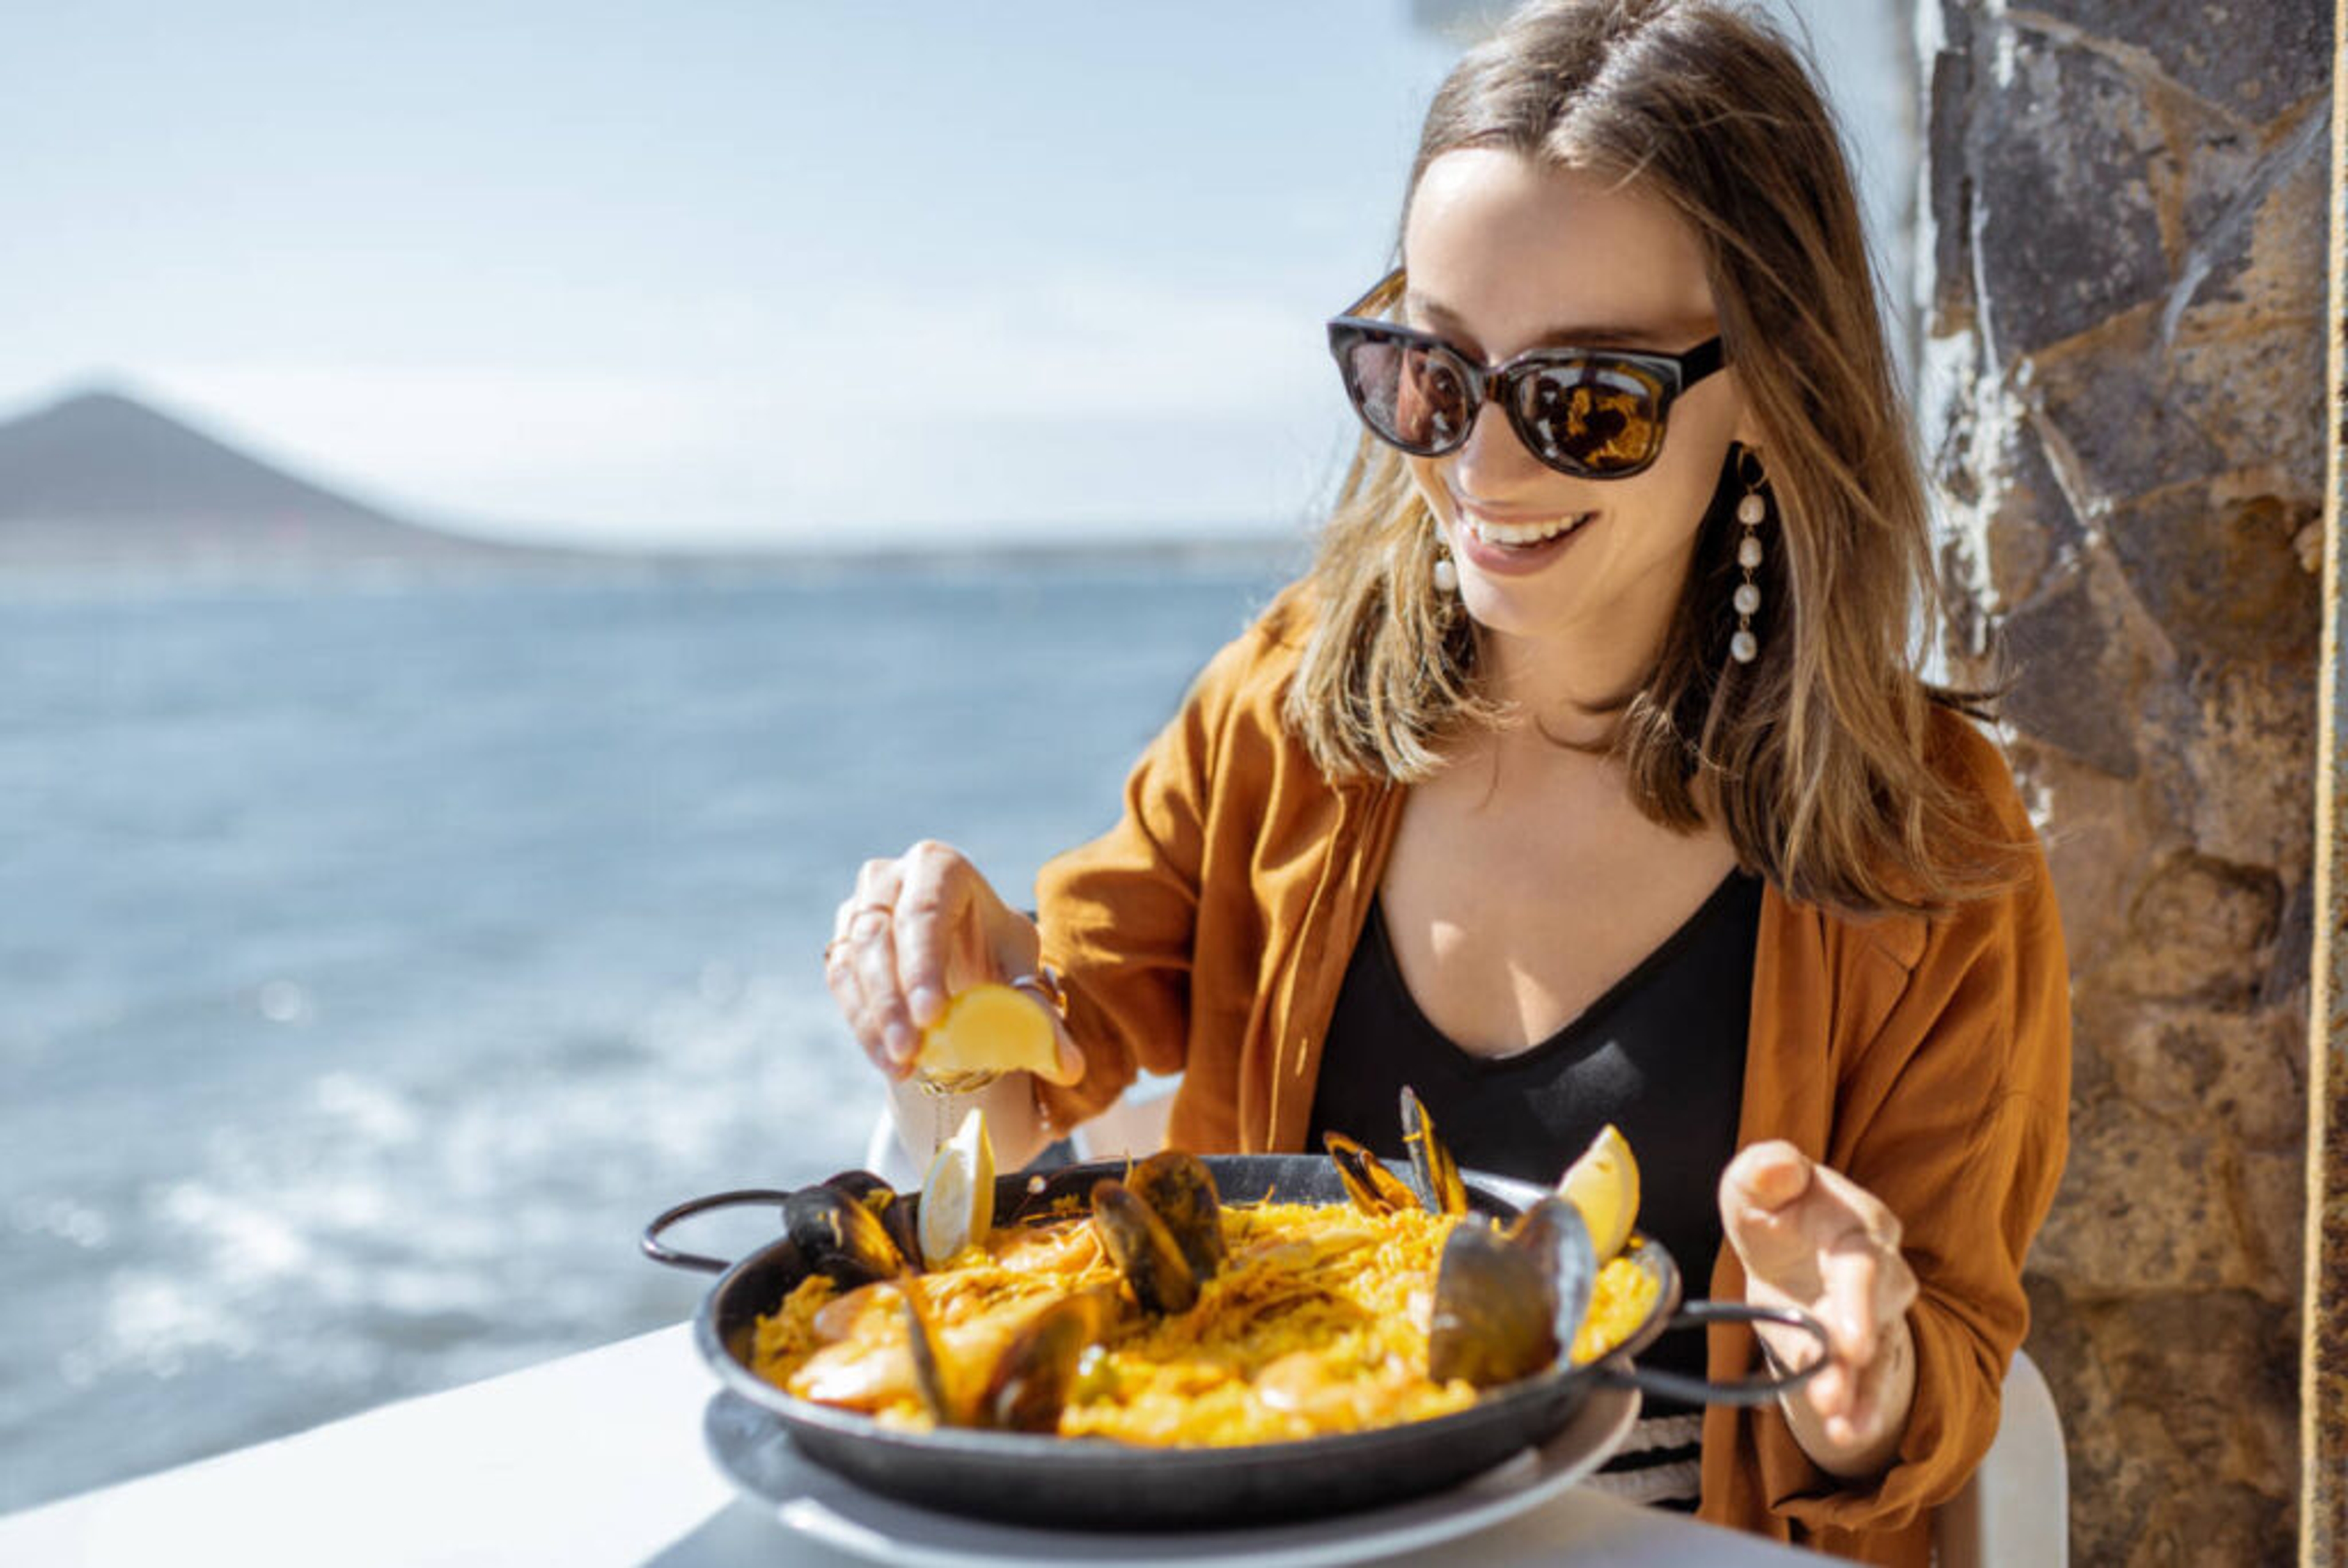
1703	1391
659	1252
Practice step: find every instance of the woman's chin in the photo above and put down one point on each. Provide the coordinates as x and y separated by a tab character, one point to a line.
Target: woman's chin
1513	609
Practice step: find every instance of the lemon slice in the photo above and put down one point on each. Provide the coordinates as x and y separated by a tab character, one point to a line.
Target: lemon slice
1604	1185
958	1195
990	1029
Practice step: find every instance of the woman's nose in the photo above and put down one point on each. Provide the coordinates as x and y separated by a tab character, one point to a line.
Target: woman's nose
1492	460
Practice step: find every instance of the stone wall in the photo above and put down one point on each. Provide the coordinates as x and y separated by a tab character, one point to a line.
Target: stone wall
2123	272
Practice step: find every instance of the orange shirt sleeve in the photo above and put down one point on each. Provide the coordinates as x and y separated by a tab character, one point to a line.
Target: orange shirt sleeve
1955	1113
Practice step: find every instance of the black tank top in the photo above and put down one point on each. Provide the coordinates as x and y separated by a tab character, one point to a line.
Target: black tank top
1661	1055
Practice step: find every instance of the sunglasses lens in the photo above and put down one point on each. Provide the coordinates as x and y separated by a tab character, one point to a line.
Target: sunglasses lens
1595	417
1411	394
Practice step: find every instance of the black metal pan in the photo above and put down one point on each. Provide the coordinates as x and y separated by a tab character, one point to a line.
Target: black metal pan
1094	1484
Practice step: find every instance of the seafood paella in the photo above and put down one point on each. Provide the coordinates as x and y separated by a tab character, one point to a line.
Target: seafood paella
1156	1314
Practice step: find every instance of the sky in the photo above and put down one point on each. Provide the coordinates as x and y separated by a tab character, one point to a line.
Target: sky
712	275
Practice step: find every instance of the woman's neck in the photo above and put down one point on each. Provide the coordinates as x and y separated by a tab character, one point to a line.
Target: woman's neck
1570	688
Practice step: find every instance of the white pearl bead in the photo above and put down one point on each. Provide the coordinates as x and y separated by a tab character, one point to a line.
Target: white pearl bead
1446	575
1748	552
1752	509
1747	598
1744	647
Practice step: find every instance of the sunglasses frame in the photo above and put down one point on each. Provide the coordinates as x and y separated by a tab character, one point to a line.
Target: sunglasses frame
1674	374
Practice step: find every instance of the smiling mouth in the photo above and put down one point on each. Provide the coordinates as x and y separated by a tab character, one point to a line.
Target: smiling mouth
1519	534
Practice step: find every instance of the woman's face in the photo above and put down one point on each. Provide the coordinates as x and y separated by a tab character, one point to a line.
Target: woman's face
1504	255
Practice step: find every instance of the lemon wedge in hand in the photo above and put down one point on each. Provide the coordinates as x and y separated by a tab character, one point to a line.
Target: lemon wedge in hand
989	1028
958	1195
1604	1185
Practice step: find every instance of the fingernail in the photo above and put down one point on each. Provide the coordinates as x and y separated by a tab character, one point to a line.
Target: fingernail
899	1038
925	1004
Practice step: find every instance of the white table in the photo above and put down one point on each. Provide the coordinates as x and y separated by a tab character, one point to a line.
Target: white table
597	1459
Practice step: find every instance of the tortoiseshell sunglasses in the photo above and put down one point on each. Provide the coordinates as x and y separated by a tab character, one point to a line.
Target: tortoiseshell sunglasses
1596	414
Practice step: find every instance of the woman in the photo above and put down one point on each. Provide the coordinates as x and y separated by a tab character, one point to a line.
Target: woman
1590	776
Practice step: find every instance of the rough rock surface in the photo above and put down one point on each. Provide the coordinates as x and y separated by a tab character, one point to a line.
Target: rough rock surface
2123	406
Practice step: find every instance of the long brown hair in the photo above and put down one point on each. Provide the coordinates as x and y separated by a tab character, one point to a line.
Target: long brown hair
1815	756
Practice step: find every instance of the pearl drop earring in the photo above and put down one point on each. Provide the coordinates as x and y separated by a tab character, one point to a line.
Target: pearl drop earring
1752	510
1445	575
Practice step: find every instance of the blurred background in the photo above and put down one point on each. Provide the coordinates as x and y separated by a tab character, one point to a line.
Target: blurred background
502	508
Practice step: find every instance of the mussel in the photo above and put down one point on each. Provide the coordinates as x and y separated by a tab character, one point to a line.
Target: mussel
1163	1227
1032	1379
1554	1231
888	1205
1178	1189
1508	1303
1145	1251
1374	1189
1430	1157
1028	1385
840	1237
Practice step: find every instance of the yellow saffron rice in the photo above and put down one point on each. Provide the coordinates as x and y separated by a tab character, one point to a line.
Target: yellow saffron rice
1316	1324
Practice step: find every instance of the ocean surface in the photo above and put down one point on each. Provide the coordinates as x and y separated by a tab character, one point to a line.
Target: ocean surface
378	959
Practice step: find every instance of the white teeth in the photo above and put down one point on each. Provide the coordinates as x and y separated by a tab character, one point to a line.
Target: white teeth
1493	533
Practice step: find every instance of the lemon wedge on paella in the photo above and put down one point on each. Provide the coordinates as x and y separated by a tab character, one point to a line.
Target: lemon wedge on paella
1604	1185
989	1028
958	1195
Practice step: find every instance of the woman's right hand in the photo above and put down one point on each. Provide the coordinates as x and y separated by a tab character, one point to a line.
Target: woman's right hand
917	930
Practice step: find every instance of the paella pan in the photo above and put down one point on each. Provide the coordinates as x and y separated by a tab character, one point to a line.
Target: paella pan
1348	1337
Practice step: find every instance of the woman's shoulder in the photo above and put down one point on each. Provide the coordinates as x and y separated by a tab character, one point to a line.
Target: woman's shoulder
1968	759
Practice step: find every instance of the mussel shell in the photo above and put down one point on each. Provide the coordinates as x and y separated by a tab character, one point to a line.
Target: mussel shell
1029	1386
1145	1251
1374	1189
839	1236
1554	1232
1495	1309
888	1205
862	1185
931	1377
1178	1190
1430	1158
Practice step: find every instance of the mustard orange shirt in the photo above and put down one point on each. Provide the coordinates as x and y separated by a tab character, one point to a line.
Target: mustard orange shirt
1208	931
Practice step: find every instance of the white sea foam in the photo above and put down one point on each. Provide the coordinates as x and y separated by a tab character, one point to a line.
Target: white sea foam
370	1110
394	1204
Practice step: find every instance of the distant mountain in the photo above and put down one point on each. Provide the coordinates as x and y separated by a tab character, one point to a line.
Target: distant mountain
101	480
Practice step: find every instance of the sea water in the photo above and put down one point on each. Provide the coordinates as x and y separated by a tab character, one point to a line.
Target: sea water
377	960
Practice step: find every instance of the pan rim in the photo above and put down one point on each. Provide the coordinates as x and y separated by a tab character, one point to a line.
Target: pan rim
1510	1194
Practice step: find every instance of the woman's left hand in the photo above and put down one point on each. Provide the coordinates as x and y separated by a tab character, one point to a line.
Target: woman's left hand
1811	1237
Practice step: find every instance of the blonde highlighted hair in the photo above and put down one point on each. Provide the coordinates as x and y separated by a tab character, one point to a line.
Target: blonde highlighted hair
1814	758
